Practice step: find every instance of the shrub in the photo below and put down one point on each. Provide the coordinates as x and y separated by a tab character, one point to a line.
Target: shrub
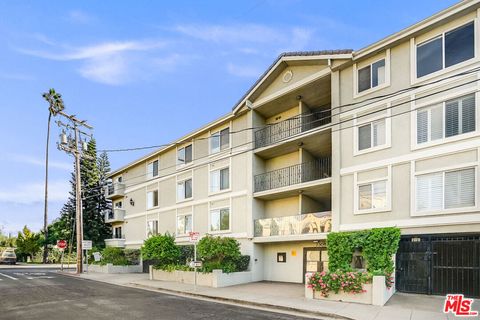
186	254
242	263
219	253
349	282
115	256
161	248
133	256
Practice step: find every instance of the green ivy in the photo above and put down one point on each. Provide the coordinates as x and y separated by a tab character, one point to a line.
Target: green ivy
341	246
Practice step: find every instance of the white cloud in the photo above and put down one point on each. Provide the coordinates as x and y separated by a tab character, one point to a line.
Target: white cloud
243	71
29	193
36	161
79	16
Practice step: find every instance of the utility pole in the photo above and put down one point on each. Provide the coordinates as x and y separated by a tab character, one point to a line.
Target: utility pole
72	146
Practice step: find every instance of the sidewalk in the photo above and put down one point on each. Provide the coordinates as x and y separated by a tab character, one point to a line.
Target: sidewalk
290	297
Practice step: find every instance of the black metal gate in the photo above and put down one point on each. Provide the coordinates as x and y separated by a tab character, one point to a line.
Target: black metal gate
439	264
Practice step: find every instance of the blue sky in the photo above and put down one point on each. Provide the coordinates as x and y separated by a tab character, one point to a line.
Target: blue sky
147	72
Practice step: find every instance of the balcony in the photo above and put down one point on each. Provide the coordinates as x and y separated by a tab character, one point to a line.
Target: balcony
117	243
293	175
115	190
291	127
293	227
115	215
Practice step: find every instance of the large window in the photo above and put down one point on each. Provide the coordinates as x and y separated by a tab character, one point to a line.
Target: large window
446	50
184	224
371	76
219	180
372	195
117	233
447	119
445	190
152	228
185	155
152	169
152	199
220	220
371	135
220	140
184	189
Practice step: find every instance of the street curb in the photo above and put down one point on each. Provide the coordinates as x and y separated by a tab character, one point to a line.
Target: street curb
270	307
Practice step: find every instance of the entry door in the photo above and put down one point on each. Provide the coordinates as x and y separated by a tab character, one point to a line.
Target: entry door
312	260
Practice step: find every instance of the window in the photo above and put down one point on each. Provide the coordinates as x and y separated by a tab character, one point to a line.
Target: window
446	50
118	205
220	140
152	199
184	189
220	220
447	119
152	228
445	190
185	155
371	135
117	233
184	224
152	169
220	180
371	76
372	195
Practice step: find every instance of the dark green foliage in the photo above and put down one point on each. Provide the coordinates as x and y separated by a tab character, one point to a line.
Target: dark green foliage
115	256
28	243
186	254
219	253
161	248
242	263
133	256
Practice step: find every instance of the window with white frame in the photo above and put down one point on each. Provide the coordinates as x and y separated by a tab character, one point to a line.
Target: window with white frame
184	154
184	223
371	135
220	140
446	119
118	205
152	228
372	195
445	190
152	199
220	219
117	233
371	76
152	169
220	180
184	189
445	50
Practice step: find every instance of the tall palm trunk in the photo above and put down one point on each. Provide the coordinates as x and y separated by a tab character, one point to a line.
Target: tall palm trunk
45	212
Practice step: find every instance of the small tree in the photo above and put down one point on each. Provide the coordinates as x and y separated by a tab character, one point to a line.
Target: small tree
161	248
28	242
219	253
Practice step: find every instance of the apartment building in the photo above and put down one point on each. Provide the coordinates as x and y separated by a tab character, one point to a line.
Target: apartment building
333	140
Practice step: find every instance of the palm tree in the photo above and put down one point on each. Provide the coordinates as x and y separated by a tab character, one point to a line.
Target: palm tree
55	105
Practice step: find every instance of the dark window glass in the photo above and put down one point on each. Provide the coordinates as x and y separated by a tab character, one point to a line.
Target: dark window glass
188	154
224	179
459	45
364	137
429	57
224	138
364	80
188	188
155	168
451	118
378	73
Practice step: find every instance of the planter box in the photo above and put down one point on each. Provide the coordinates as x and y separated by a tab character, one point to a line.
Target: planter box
377	293
110	268
216	279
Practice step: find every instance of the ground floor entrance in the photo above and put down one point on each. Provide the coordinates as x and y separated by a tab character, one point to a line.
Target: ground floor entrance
439	264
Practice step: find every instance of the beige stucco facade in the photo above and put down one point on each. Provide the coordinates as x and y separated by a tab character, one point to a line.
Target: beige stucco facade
294	160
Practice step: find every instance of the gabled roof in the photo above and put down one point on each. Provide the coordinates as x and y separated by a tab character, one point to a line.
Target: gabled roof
281	57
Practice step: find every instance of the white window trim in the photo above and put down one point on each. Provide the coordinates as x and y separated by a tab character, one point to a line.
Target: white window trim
413	188
229	189
388	131
181	235
146	226
414	107
357	67
146	198
115	204
210	209
147	174
443	71
357	184
212	132
176	188
184	165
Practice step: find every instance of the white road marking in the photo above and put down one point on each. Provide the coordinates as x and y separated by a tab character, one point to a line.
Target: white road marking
7	276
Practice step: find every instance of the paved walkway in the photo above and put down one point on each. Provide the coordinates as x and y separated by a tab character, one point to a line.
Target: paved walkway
289	296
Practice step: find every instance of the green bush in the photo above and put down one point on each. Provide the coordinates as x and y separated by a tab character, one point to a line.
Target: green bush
133	256
186	254
242	263
115	256
161	248
219	253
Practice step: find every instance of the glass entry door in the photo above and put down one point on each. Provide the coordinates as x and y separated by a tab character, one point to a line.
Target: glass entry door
312	260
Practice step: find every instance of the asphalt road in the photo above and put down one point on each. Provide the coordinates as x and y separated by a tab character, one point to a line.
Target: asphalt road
33	293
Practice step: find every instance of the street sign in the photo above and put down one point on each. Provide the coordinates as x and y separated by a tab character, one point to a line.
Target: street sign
97	256
195	264
87	244
193	236
61	244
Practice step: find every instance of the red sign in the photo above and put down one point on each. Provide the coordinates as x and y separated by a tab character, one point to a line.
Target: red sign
193	236
61	244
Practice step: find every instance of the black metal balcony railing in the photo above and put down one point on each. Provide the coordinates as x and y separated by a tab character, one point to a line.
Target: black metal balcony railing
299	173
285	129
308	223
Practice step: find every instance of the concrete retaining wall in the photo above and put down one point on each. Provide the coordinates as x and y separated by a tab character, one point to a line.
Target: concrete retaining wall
110	268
